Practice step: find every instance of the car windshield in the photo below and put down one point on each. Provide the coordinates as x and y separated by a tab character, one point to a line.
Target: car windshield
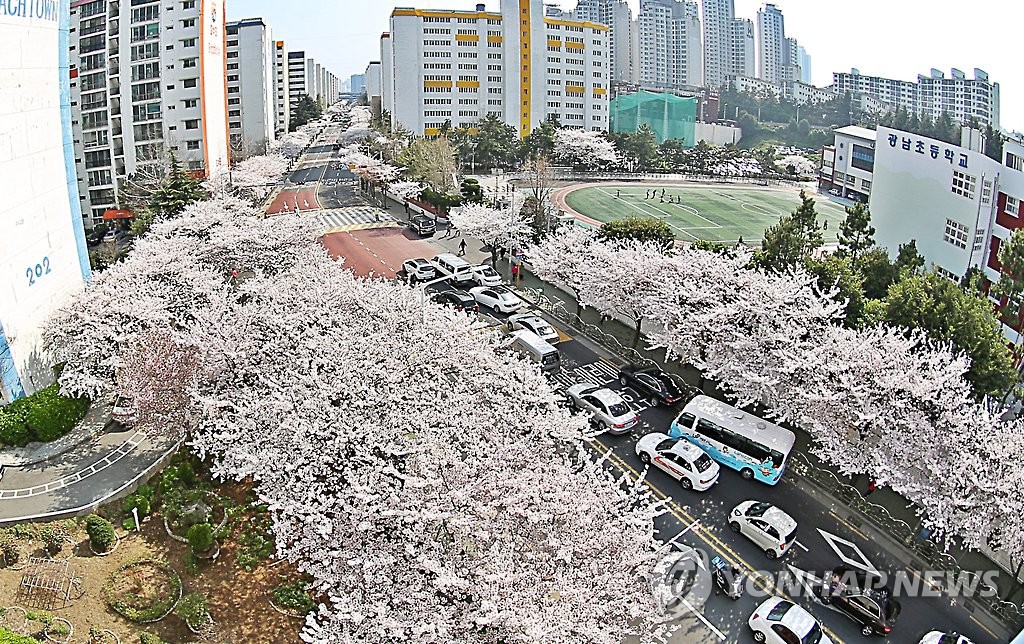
758	509
543	329
665	445
780	609
703	463
618	409
813	636
487	271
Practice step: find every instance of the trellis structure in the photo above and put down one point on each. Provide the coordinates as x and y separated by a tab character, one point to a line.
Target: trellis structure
45	581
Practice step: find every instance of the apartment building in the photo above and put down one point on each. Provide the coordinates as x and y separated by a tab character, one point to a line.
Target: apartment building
669	45
623	48
252	87
961	97
148	81
282	97
743	49
771	45
516	63
296	79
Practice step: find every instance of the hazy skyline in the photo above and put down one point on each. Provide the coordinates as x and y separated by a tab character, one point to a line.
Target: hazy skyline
895	39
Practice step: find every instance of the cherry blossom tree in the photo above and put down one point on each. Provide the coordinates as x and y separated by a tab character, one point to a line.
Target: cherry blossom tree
584	149
563	258
428	483
801	165
497	227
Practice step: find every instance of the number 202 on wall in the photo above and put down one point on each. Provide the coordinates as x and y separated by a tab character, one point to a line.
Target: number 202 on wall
36	272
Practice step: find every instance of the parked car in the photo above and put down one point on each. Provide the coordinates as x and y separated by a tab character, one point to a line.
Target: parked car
607	409
486	276
459	300
767	526
656	385
778	621
123	411
498	298
419	269
680	459
862	597
423	225
534	323
938	637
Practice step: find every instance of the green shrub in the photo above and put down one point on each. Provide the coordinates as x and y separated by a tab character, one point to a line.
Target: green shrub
128	523
13	423
136	501
7	637
101	533
149	638
52	415
253	546
146	491
193	609
53	537
200	537
294	596
9	549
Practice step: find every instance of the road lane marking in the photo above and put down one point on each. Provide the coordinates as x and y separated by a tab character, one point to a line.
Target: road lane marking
987	629
701	617
832	540
849	527
797	543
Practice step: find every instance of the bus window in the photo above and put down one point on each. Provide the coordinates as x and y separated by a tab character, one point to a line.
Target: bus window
685	421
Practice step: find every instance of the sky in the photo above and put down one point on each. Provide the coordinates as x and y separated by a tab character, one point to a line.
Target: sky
891	38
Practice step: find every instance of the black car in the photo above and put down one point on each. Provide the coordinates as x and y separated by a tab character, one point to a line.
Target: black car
862	597
423	225
653	383
460	300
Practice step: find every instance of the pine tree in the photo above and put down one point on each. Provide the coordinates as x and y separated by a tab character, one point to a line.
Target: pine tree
856	233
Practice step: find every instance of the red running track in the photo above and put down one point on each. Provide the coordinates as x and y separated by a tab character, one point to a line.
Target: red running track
305	198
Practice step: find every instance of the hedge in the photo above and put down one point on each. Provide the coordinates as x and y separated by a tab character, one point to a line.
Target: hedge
7	637
43	416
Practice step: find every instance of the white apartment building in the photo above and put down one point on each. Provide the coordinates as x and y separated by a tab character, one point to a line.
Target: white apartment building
282	97
717	17
743	50
804	60
791	61
623	50
148	81
771	44
252	87
375	86
961	97
518	64
669	43
296	80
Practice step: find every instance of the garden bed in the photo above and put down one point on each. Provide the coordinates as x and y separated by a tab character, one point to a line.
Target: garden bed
143	591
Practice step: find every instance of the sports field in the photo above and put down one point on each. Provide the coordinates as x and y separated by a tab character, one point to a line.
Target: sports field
721	213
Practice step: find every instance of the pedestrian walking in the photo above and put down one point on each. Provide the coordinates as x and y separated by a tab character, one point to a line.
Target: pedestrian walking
616	193
824	225
406	204
872	486
661	198
515	272
662	192
462	248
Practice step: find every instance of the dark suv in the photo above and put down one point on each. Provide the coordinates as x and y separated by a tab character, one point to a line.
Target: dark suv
653	383
423	225
862	597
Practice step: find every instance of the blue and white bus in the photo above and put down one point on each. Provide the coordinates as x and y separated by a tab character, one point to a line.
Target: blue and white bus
750	445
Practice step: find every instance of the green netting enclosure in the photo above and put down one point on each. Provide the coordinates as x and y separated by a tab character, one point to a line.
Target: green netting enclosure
668	115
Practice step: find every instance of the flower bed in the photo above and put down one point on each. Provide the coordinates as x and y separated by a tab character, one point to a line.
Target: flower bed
143	591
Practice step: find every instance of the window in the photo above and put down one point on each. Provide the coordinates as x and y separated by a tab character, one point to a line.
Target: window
1014	162
1012	206
963	184
189	82
232	54
146	32
192	124
192	145
145	14
190	102
188	22
99	178
146	112
190	62
956	234
188	42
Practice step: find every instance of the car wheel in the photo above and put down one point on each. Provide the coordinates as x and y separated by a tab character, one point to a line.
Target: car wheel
771	554
867	630
759	636
622	380
747	473
686	483
735	527
604	425
645	458
654	401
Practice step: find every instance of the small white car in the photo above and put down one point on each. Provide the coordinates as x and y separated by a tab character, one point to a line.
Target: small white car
533	323
485	275
680	459
607	409
419	269
123	411
938	637
498	298
778	621
767	526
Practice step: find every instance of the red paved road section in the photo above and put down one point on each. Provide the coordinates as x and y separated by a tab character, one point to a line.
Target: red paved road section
306	201
377	250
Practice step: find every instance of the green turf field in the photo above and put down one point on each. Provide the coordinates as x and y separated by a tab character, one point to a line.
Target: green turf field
713	213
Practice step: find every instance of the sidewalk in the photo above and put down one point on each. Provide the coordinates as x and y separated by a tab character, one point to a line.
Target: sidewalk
92	425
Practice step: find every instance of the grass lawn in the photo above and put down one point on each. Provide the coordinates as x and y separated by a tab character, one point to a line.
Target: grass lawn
713	213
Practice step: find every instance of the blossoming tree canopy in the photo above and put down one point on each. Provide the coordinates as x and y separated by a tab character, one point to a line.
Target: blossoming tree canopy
428	483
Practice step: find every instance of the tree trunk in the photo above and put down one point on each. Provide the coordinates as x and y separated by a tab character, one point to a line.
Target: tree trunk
494	257
636	334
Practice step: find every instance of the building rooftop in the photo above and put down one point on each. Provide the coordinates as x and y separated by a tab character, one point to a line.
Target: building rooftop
857	131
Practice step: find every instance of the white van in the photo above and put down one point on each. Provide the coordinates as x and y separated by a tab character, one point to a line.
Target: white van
451	264
533	347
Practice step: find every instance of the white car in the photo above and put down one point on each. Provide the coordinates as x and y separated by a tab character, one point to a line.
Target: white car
938	637
498	298
778	621
768	527
485	275
123	411
534	323
607	409
419	269
680	459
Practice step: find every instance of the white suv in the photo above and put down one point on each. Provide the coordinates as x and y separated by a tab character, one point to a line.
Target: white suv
767	526
419	269
778	621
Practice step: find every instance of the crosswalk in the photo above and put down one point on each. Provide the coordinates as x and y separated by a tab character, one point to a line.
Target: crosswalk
596	373
355	218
